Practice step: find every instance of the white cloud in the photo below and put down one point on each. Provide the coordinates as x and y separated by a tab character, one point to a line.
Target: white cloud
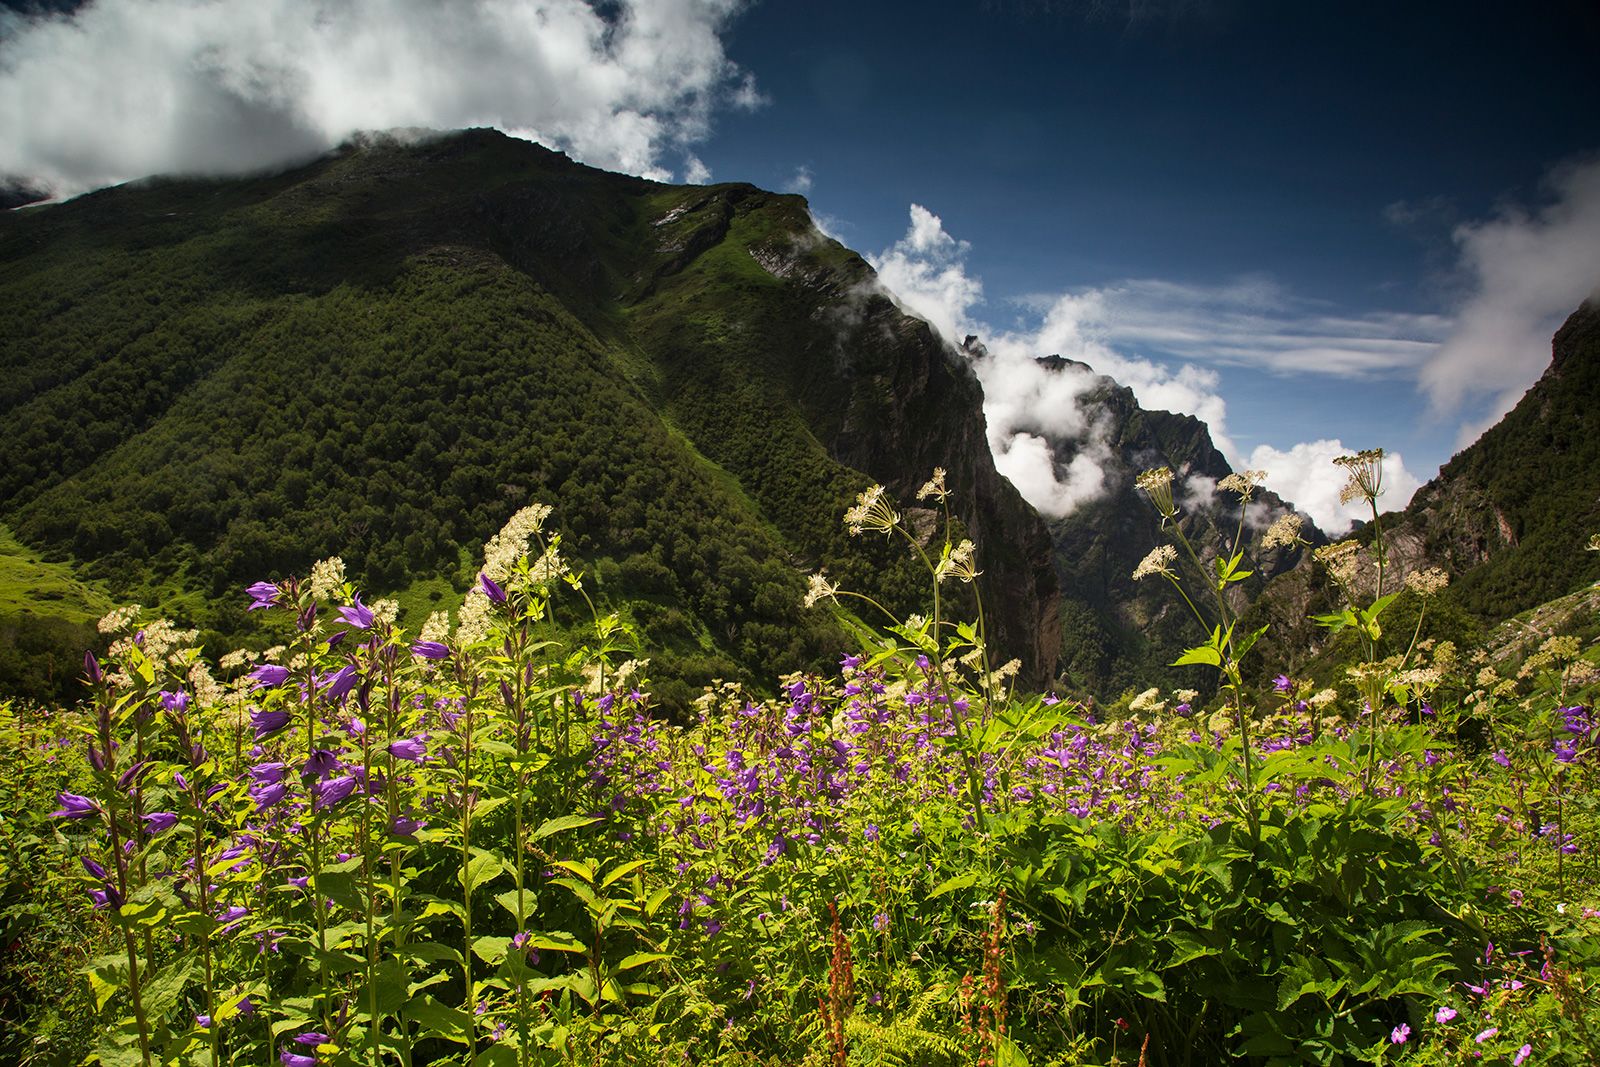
1254	323
1307	476
924	270
695	172
799	181
125	88
1527	270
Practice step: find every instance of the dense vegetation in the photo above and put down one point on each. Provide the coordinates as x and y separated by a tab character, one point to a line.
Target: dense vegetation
486	843
381	355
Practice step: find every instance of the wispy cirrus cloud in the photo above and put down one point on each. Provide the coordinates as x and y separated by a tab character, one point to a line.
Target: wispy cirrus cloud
1258	324
119	89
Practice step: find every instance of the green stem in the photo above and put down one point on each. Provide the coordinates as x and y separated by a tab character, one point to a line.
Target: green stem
127	931
969	758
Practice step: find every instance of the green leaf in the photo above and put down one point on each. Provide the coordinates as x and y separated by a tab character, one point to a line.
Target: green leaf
621	871
950	885
508	901
564	822
163	992
451	1024
107	975
578	867
1199	654
393	987
483	867
658	898
491	950
639	959
555	941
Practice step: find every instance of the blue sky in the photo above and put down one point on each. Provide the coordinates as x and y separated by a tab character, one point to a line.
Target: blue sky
1320	226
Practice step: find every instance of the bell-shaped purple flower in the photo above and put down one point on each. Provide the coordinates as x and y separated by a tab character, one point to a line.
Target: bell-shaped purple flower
341	682
177	701
74	806
311	1039
409	748
91	668
262	595
106	897
232	918
267	773
267	676
357	614
94	869
492	589
266	723
333	791
322	764
267	795
290	1058
430	650
159	822
405	826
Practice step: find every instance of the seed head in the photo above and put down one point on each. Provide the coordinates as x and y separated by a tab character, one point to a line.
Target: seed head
1283	533
1157	484
959	564
1158	561
871	512
819	589
1365	472
934	486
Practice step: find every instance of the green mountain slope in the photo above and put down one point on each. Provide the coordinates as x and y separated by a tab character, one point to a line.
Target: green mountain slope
385	353
1509	518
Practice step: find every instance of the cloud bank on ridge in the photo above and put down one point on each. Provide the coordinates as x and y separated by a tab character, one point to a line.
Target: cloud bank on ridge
121	89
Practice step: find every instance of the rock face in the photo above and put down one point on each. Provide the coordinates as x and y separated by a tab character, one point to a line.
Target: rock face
1118	632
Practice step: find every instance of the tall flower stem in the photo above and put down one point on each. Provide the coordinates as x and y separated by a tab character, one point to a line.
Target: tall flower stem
968	757
109	783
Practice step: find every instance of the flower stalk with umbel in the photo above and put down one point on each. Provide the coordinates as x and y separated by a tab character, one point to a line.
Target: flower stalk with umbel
1225	648
873	512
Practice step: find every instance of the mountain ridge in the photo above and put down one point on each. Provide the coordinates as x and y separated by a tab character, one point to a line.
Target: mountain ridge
382	353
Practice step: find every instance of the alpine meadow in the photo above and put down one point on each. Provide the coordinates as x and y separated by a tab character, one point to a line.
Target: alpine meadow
587	619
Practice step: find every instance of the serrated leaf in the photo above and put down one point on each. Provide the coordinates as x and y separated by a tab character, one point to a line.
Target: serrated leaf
578	867
556	941
481	868
508	901
658	898
491	950
1200	654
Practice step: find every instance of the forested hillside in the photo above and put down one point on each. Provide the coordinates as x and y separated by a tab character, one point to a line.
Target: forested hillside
385	353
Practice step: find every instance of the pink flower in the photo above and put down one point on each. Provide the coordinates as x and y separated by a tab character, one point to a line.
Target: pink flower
1444	1015
1487	1034
1399	1034
1522	1053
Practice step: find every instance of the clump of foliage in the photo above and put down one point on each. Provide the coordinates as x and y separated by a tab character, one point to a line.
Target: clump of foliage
485	843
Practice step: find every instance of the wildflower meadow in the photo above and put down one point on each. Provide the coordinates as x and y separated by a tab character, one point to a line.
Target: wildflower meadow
484	842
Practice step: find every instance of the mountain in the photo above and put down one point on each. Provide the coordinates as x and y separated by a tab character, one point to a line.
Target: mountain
1509	519
1510	516
1119	633
383	354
